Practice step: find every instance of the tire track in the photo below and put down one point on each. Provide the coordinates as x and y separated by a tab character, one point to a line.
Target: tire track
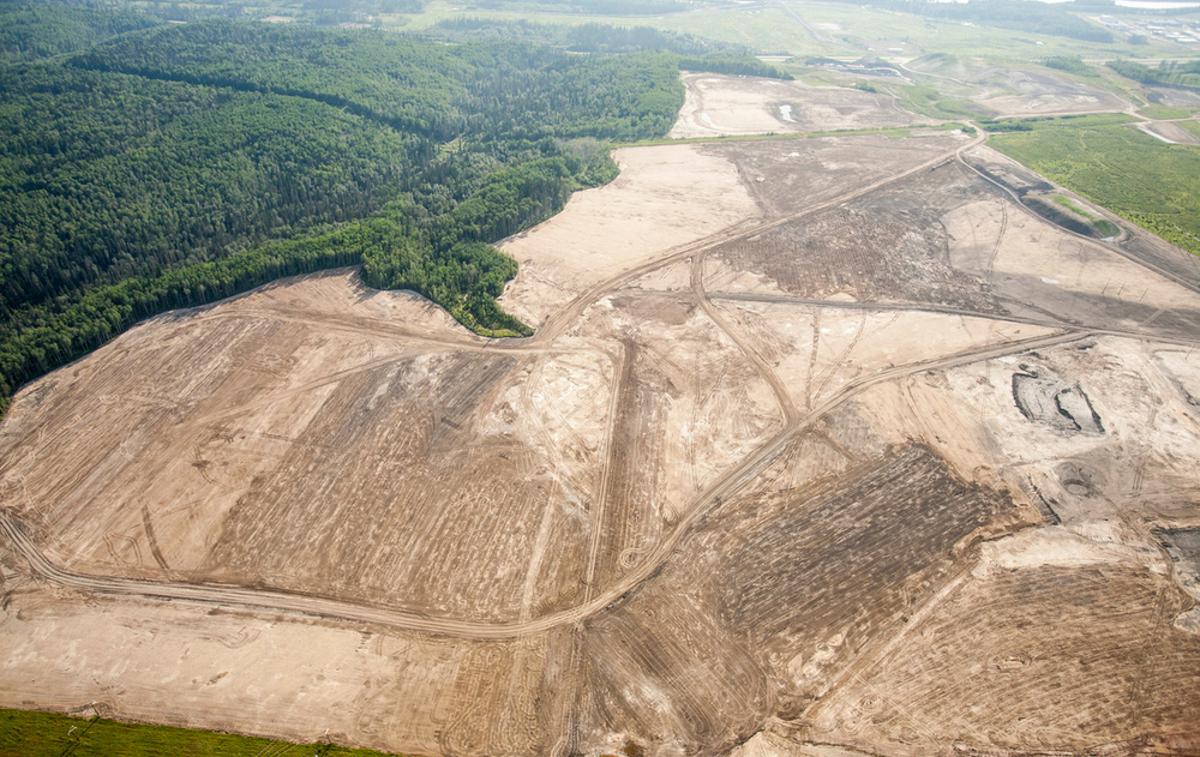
333	609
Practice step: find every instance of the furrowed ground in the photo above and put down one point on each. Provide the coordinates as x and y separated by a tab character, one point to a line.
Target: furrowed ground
819	444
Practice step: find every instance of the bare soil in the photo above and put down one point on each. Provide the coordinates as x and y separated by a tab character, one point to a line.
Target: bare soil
1171	132
731	105
665	197
861	458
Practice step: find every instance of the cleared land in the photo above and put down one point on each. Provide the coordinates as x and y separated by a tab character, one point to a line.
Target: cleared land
1008	90
316	449
827	447
727	105
664	197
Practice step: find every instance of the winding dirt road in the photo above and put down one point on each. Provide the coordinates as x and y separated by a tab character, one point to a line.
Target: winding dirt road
325	607
596	601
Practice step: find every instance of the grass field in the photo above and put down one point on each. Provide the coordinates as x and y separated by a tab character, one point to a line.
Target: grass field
1163	112
815	28
1149	182
928	101
40	734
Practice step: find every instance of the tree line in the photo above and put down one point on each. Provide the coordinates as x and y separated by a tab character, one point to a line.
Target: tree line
1184	75
172	167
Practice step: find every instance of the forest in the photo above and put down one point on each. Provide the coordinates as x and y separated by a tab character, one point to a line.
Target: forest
30	30
692	53
175	165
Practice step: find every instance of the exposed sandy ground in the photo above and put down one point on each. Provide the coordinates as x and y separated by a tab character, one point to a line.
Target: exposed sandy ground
985	238
1035	97
948	239
665	196
301	681
1136	243
1173	97
280	426
730	105
793	175
817	351
886	468
689	407
1171	132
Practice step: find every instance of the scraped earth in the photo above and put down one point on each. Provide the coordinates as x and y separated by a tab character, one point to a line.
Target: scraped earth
1008	90
822	447
731	105
1171	132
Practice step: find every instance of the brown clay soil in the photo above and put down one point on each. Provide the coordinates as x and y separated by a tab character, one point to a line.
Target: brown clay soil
823	447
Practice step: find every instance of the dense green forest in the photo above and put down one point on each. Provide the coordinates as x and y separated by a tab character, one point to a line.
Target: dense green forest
1072	64
108	176
180	164
692	53
585	38
31	30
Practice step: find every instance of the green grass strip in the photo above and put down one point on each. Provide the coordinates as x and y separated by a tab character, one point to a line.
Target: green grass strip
40	734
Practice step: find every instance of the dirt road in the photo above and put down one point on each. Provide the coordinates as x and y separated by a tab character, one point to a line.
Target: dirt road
595	601
323	607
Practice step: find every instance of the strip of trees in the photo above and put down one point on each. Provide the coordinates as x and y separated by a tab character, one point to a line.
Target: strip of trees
1185	75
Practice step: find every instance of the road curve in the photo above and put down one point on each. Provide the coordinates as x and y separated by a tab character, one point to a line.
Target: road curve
1183	281
239	597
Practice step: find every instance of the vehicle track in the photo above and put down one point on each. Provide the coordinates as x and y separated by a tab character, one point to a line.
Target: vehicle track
786	405
622	378
333	609
1052	323
558	323
1183	281
555	326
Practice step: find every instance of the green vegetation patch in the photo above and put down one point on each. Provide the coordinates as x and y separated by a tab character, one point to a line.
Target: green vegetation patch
1038	122
1067	203
1153	184
1042	18
1168	73
928	101
1105	227
1164	112
694	53
40	734
1072	64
